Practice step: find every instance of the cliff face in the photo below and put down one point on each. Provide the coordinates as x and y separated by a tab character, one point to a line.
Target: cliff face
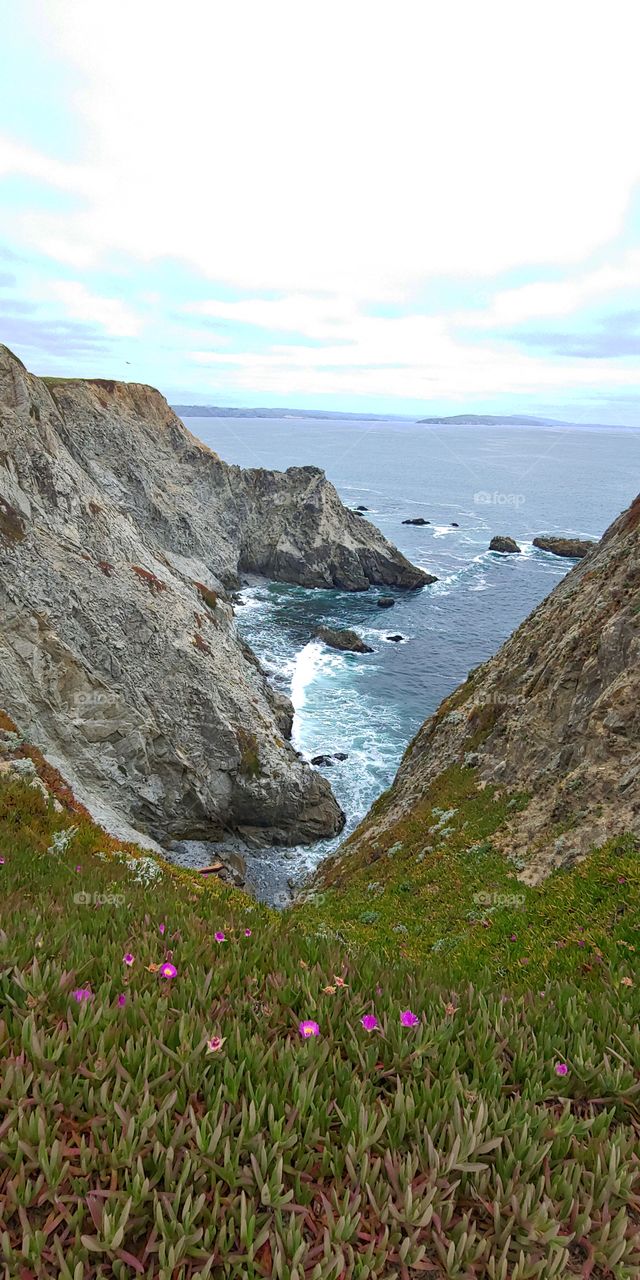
554	716
119	535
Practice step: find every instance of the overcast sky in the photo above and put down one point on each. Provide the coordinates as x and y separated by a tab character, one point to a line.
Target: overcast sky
401	206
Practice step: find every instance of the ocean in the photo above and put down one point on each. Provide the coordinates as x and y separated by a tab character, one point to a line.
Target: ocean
518	481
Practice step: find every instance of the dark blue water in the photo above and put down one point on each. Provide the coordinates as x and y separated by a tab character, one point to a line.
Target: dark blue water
490	480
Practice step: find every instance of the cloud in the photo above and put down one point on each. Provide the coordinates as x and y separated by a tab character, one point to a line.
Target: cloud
558	297
616	336
114	316
350	149
48	337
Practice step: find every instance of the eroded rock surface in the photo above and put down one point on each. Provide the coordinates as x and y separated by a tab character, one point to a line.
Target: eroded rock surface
120	537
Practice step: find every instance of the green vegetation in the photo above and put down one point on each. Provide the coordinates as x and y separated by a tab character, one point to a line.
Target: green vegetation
444	893
207	595
178	1127
250	766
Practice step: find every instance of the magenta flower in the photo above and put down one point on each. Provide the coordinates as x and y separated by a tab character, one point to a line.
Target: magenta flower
128	958
408	1019
122	1000
1	862
561	1068
219	936
513	937
215	1044
161	928
247	933
78	868
168	971
82	993
308	1029
369	1021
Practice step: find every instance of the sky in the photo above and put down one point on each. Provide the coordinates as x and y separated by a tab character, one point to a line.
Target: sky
410	207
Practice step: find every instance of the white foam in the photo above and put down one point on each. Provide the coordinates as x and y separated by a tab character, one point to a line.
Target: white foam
307	664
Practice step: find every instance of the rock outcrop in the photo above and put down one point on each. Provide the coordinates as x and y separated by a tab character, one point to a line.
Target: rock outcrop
570	548
553	717
345	639
120	536
507	546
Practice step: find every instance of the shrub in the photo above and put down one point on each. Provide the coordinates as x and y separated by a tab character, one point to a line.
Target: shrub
207	595
155	585
250	766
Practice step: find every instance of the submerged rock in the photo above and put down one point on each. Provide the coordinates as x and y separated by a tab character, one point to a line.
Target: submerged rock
570	548
508	546
350	641
385	602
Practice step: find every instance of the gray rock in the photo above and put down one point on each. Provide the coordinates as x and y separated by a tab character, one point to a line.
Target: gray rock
350	641
506	545
570	548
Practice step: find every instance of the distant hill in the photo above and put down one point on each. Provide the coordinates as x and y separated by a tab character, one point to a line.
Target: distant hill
453	420
491	420
215	411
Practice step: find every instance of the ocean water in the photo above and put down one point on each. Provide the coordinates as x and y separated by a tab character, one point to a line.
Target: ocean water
519	481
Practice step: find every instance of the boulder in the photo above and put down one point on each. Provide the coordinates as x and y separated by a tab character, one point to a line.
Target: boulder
570	548
454	524
507	546
418	520
396	639
362	508
347	640
325	760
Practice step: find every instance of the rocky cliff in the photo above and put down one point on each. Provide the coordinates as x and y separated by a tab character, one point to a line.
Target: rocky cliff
553	719
120	536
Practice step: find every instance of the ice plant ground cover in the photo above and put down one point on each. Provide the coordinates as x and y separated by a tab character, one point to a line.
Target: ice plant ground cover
190	1129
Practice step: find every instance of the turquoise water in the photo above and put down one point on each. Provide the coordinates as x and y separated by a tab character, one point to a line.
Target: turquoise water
490	480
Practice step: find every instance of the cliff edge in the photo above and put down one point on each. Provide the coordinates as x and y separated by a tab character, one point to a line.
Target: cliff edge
120	535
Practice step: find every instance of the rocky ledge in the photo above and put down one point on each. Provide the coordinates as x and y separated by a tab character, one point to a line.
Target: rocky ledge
570	548
121	536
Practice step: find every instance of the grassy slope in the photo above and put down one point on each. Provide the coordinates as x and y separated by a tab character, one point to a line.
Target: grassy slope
451	1149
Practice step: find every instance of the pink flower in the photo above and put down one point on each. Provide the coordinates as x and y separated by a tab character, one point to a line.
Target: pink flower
247	933
308	1028
561	1068
215	1044
78	868
408	1019
1	862
369	1022
513	937
161	928
219	936
82	993
168	971
122	1000
128	958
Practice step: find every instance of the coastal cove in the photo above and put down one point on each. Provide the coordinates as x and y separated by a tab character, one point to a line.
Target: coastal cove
517	481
